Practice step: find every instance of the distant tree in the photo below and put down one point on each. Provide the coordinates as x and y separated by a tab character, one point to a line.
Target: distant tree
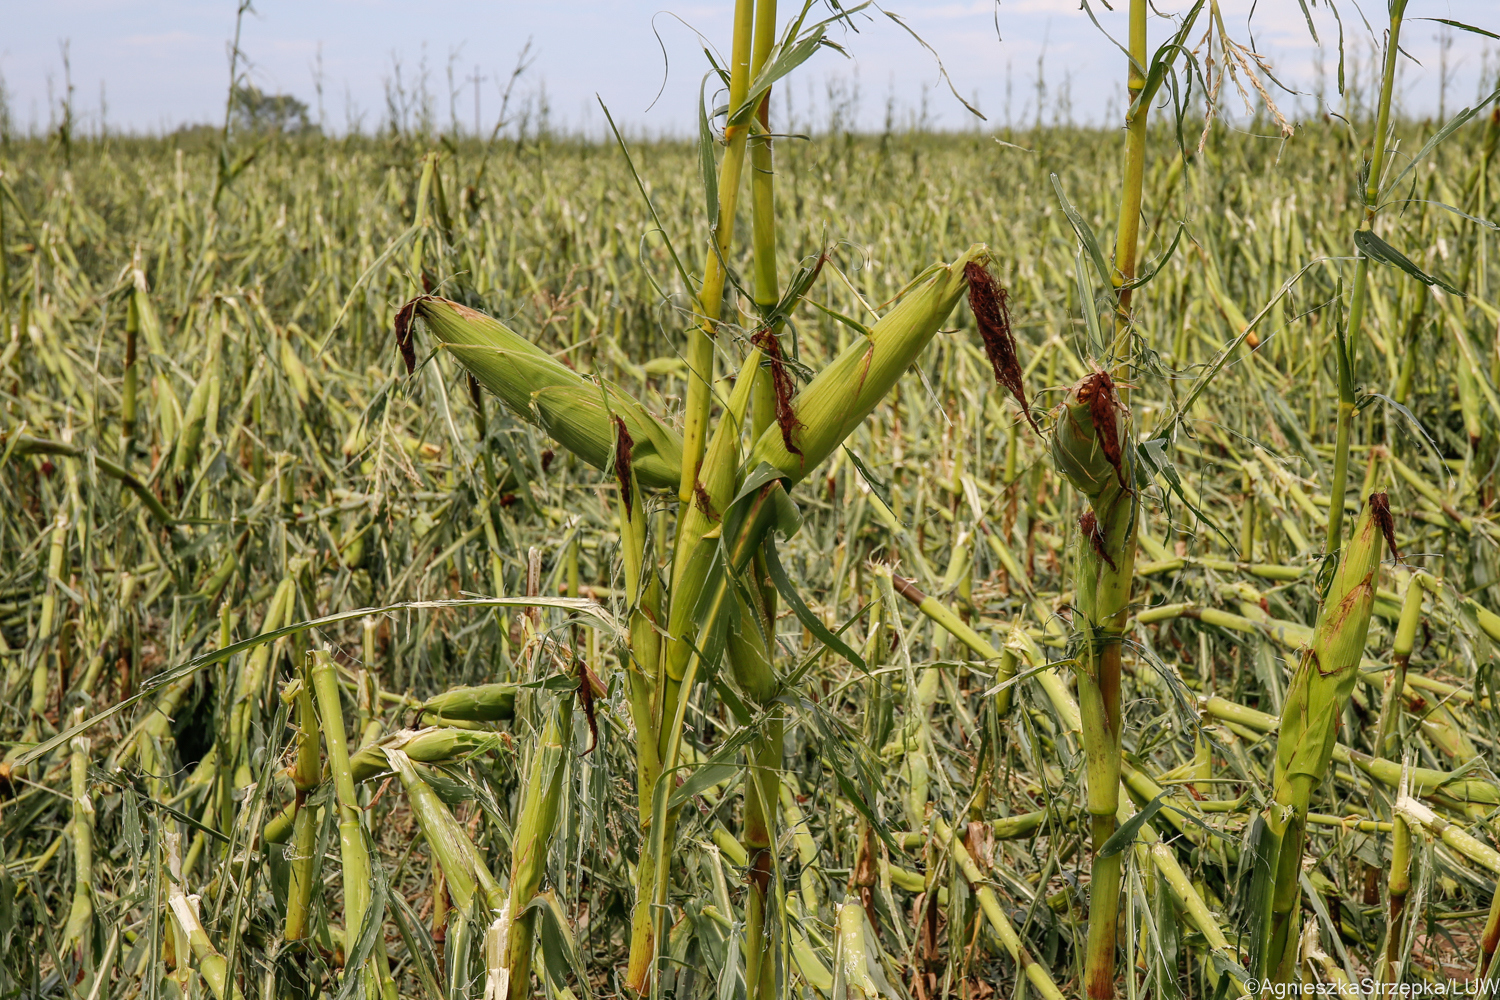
256	111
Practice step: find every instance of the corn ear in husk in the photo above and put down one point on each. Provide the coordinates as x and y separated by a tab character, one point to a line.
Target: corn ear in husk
1315	703
463	870
432	745
1325	678
1088	435
839	398
479	703
574	410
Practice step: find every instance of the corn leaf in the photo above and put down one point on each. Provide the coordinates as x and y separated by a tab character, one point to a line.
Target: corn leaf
1375	248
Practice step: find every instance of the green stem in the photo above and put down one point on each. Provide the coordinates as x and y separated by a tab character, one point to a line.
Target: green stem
1359	294
354	857
643	680
533	842
1106	577
767	289
1388	727
1127	233
762	793
81	917
762	777
1398	885
700	347
306	774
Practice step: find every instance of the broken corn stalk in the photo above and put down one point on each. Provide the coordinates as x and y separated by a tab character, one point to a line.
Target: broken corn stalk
1305	742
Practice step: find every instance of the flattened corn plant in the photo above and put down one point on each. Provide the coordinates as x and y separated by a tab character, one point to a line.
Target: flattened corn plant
784	627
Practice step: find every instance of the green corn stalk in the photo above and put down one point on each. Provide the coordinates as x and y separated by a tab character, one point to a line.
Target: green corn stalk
515	927
1034	971
828	408
1095	423
1348	345
1091	442
79	928
857	973
1398	887
307	775
354	855
643	595
48	637
252	678
130	385
204	398
211	962
748	654
1387	728
1315	701
222	794
464	872
710	299
697	537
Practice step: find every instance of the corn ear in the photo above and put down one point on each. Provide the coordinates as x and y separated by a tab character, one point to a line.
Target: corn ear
463	870
1088	434
1305	743
426	746
533	841
843	394
479	703
574	410
1325	678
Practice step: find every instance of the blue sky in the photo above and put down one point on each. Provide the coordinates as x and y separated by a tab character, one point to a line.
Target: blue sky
160	64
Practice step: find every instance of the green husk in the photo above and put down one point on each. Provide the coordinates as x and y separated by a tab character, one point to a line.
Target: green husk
1081	442
533	841
1305	742
479	703
464	872
575	410
839	398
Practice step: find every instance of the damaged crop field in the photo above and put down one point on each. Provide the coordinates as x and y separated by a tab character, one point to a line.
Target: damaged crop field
906	565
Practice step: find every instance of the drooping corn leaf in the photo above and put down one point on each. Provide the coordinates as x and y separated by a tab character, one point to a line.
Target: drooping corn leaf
1375	248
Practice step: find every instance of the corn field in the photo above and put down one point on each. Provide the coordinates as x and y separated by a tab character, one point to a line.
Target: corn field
444	569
